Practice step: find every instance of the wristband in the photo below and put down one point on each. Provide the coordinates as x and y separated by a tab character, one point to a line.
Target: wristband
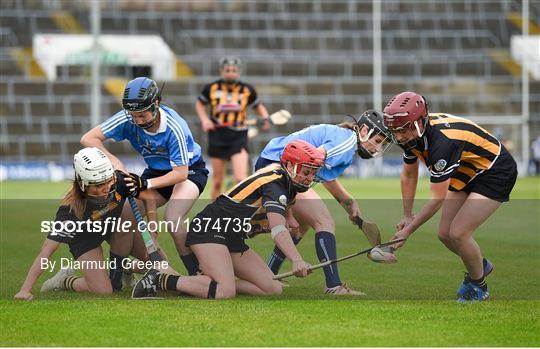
278	229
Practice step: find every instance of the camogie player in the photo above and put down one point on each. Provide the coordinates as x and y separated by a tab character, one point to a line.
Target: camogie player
176	171
217	233
366	137
92	197
471	174
228	98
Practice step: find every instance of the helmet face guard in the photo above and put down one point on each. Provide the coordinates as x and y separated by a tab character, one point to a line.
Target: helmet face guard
411	143
147	124
406	111
298	168
230	61
302	156
378	138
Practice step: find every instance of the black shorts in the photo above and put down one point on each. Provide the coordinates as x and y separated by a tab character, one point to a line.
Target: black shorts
225	142
209	225
263	162
197	173
82	245
497	182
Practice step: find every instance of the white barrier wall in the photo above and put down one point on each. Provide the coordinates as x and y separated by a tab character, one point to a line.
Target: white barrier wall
52	50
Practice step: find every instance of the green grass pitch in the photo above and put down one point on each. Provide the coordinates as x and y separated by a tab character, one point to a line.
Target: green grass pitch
411	303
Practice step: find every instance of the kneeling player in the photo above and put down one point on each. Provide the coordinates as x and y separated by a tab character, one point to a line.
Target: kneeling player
216	235
93	197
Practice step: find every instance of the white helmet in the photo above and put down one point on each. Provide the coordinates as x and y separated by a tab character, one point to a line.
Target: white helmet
92	166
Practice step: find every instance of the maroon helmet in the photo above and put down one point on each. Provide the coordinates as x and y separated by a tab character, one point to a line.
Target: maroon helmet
404	109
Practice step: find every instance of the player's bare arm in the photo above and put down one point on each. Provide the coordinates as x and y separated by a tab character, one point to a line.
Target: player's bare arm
206	123
409	181
283	240
263	114
95	138
344	198
47	250
438	193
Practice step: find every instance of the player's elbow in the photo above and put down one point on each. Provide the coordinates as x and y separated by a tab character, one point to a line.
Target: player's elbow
180	174
92	138
86	139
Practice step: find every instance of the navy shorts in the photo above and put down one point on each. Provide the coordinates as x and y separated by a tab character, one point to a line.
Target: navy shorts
263	162
197	173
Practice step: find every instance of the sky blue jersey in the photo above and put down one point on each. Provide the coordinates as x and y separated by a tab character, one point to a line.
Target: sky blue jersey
171	145
340	145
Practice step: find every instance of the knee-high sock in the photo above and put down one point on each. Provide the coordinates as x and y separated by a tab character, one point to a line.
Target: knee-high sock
276	259
191	263
115	274
325	245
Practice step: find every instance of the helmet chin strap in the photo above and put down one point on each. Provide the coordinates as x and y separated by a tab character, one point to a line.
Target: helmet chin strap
417	127
152	122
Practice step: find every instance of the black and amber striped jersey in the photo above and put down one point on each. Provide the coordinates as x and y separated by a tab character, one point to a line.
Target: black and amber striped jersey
229	102
93	211
456	148
267	191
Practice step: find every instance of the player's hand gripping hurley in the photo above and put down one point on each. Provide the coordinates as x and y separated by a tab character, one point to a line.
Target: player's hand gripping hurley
278	118
334	261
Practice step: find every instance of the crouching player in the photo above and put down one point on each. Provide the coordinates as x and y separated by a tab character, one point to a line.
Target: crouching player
92	197
471	173
216	235
368	138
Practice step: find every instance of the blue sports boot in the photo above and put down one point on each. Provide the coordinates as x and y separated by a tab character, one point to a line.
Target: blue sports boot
464	287
488	267
473	293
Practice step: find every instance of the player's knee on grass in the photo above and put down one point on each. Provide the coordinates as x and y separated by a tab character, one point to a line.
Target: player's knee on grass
224	292
274	288
101	289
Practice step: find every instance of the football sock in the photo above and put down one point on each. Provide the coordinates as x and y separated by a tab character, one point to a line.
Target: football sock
167	282
277	257
69	282
325	246
191	263
115	274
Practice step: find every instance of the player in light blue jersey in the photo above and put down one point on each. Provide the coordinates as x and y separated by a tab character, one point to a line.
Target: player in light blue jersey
176	170
366	137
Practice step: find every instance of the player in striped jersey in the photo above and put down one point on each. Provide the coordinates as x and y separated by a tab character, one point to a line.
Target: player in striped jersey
217	233
228	99
176	171
471	174
96	196
366	137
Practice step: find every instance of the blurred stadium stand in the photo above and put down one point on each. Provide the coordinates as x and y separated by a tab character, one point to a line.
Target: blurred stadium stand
313	58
